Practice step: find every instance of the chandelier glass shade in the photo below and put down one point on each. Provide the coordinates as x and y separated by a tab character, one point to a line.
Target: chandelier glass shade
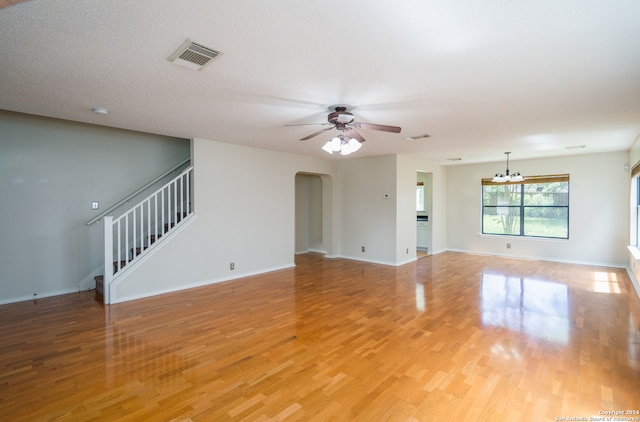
342	144
506	177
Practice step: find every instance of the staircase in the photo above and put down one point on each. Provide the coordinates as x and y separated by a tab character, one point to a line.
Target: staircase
138	231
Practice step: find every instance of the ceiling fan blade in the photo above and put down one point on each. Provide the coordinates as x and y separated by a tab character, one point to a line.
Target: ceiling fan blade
309	124
316	133
355	135
373	126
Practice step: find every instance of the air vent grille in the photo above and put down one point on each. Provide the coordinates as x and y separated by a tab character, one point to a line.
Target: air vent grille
193	55
414	138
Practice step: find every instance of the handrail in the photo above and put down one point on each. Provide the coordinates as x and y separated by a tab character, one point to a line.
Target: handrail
128	197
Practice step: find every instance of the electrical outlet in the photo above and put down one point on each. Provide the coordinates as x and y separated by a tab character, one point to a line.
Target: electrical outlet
508	245
94	205
363	249
232	266
407	250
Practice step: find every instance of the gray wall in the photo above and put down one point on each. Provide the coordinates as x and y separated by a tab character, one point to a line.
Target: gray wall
50	171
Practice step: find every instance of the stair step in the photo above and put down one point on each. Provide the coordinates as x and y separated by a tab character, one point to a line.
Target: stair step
99	279
99	288
137	251
115	265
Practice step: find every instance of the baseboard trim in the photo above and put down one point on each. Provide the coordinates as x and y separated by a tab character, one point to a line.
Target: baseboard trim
538	258
38	296
634	281
199	284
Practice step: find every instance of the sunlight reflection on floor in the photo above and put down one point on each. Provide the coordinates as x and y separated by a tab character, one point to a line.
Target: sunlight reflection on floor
605	282
534	307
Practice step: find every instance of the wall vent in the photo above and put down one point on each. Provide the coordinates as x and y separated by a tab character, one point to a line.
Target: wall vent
193	55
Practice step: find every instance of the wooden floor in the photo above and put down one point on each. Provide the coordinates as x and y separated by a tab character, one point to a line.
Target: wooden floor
449	337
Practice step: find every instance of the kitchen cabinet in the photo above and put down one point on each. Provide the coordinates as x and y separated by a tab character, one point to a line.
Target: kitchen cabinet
423	234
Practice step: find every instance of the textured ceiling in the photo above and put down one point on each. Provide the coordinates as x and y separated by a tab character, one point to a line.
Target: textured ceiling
530	77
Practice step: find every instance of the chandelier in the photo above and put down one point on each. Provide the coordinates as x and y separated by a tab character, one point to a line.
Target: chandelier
501	178
342	144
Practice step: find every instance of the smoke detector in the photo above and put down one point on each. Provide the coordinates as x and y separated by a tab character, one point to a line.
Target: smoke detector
193	55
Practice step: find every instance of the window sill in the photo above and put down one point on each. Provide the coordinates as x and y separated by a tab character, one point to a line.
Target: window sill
527	238
635	252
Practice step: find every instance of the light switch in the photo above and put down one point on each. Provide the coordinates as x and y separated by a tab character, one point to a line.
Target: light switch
94	205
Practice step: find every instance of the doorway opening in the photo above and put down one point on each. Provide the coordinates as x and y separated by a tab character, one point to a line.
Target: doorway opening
313	214
424	207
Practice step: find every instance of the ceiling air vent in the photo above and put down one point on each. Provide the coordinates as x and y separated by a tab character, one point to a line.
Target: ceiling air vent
193	55
415	138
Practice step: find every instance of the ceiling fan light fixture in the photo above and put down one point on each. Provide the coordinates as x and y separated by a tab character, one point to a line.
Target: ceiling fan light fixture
336	144
354	145
328	147
346	149
342	145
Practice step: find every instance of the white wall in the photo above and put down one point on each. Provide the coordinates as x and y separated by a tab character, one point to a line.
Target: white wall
408	166
245	214
367	217
387	226
598	215
50	171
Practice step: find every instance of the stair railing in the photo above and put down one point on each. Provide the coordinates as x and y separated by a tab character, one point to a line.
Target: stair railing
133	234
137	192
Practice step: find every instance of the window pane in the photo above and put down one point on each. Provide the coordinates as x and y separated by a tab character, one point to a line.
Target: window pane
546	194
546	221
636	180
501	220
638	226
420	198
533	208
498	195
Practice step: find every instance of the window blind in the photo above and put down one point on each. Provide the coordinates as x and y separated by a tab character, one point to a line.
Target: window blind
550	178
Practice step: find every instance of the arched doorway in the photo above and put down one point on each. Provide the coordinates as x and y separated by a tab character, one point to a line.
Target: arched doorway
314	214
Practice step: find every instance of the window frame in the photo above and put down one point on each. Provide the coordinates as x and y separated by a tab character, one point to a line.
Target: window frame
521	207
634	222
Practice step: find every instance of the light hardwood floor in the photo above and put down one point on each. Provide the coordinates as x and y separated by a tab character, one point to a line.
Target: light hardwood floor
451	336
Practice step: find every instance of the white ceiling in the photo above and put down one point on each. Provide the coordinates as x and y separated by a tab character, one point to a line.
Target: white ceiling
530	77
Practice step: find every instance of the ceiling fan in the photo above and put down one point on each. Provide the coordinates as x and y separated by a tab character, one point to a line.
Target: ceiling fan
343	121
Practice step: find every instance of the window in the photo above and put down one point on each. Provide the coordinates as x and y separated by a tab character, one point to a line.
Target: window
420	197
637	228
536	207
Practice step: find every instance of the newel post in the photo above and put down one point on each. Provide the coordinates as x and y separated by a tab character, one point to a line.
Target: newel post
108	258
